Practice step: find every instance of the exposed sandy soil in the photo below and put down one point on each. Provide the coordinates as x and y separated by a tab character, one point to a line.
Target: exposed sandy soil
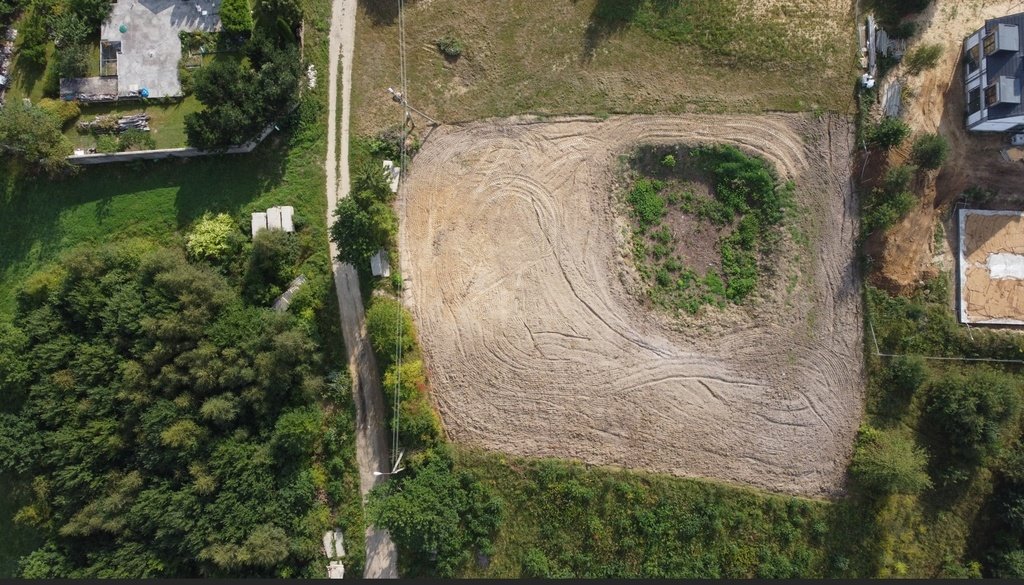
512	248
938	106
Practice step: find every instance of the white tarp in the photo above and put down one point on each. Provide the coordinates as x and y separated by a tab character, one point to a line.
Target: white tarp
1006	266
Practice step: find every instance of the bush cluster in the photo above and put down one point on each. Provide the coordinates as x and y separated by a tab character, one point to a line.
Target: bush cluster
179	422
891	201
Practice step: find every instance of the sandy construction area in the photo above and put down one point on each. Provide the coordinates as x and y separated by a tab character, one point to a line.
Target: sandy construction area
512	248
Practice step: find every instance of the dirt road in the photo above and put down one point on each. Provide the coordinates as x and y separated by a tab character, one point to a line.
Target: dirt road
371	439
519	275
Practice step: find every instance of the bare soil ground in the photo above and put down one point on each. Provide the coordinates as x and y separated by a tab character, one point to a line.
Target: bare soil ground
530	57
513	247
906	254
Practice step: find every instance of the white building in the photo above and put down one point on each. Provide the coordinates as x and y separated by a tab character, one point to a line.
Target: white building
992	76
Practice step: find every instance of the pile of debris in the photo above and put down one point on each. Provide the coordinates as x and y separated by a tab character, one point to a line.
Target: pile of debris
108	124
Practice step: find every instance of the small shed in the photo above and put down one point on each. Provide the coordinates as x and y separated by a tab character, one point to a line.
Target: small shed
379	264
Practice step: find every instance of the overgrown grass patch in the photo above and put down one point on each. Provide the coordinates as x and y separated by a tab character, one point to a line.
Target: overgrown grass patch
717	197
567	520
957	527
591	56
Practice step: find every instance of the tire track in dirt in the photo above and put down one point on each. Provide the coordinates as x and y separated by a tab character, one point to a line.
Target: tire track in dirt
511	242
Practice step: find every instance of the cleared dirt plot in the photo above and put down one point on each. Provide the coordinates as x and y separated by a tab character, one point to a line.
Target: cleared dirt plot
514	250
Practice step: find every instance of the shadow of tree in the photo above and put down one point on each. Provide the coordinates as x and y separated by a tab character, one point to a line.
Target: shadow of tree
381	12
610	17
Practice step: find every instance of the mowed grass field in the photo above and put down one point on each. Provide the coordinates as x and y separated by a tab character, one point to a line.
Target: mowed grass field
606	56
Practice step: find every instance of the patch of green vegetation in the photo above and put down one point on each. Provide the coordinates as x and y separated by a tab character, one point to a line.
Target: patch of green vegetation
159	202
747	199
566	520
965	417
890	201
166	121
647	202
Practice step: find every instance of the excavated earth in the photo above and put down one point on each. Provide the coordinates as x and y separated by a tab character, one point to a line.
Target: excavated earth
513	247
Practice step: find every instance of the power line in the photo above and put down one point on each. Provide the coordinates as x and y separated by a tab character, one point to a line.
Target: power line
396	423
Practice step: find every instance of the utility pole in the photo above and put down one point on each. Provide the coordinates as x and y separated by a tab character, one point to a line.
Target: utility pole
397	97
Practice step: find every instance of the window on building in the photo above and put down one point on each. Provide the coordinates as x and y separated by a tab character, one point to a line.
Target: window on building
974	100
990	42
973	58
991	95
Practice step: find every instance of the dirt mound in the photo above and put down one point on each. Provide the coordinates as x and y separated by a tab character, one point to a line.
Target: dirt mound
512	249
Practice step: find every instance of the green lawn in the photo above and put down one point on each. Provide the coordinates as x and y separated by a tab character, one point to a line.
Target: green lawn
167	121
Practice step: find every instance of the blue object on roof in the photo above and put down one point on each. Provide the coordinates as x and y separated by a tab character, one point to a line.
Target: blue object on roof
144	93
123	28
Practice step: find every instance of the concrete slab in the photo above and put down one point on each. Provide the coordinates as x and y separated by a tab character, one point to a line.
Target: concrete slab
287	212
991	271
274	218
150	47
259	222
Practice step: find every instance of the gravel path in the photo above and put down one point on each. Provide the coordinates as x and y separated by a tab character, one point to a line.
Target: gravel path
371	439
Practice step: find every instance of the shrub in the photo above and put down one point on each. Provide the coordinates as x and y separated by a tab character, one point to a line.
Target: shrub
669	161
978	195
897	179
211	237
929	151
648	204
923	57
382	322
888	133
106	144
135	139
967	409
65	111
236	16
274	254
449	46
886	462
905	374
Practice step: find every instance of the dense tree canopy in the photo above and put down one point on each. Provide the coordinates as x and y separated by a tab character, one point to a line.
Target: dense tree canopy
366	222
168	426
241	97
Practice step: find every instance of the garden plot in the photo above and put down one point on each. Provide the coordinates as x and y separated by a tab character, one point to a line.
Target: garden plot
518	268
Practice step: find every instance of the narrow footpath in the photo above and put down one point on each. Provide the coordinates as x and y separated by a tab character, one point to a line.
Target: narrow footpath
371	438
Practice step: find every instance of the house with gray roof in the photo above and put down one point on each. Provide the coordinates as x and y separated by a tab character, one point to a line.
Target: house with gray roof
993	70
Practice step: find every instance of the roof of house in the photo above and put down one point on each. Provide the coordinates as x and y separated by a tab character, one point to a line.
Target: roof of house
1006	63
